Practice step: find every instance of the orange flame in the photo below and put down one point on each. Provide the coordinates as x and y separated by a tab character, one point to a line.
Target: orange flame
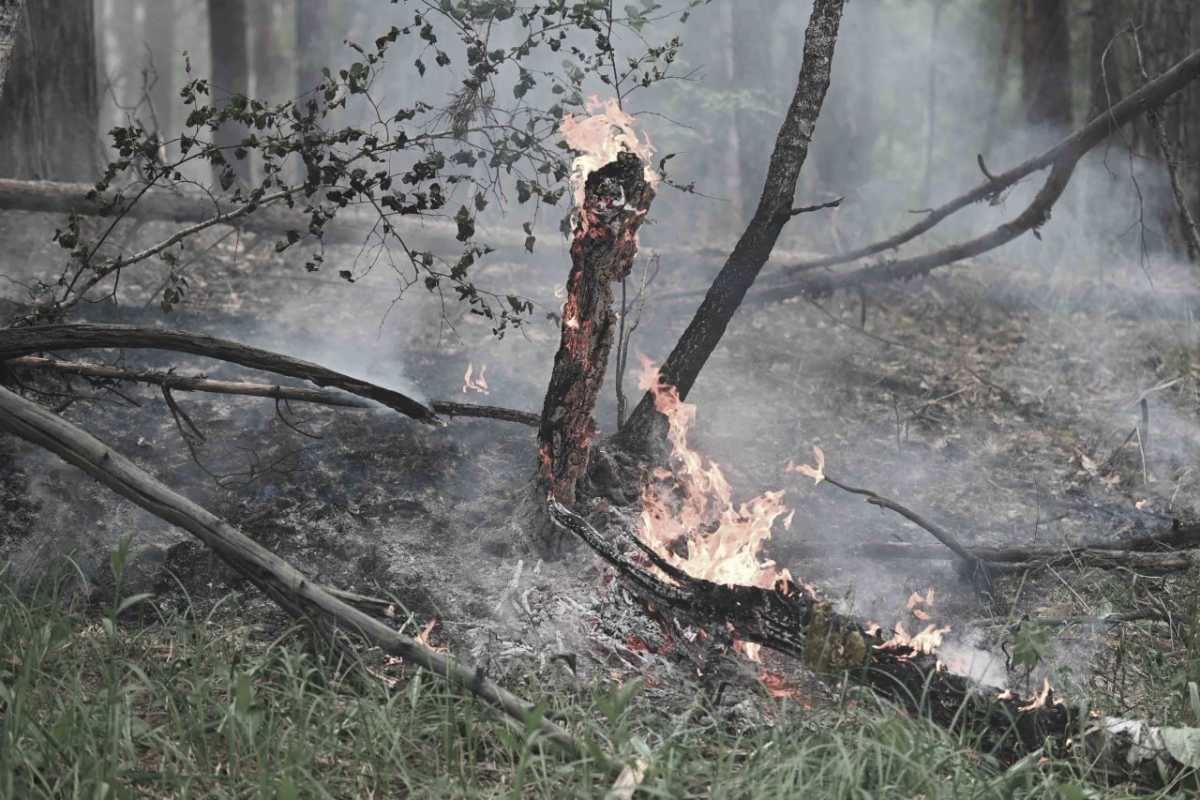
692	504
927	641
475	383
1042	698
423	638
599	137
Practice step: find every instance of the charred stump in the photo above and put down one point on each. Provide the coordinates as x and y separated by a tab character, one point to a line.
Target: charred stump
616	199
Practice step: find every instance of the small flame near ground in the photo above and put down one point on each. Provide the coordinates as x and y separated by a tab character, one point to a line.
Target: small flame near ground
423	637
599	137
475	382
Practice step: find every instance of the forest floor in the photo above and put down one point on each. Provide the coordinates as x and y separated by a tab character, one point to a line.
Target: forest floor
993	399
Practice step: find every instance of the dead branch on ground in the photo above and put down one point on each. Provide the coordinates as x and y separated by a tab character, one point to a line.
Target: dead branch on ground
201	383
288	587
18	342
795	623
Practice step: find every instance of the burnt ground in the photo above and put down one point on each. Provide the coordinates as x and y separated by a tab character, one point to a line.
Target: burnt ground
992	399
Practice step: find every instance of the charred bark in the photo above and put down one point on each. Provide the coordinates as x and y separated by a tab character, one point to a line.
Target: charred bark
17	342
792	621
616	199
292	590
752	250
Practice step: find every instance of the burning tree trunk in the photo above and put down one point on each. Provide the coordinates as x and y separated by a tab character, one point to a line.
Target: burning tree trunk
754	248
616	199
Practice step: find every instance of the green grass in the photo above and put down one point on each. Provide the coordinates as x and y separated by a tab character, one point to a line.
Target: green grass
93	705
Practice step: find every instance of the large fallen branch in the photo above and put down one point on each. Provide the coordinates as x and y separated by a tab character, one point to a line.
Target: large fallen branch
18	342
282	582
1010	559
752	250
1148	97
201	383
268	218
791	621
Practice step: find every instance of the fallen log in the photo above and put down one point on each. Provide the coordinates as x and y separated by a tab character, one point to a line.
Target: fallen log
794	622
201	383
1011	559
18	342
279	580
273	218
616	199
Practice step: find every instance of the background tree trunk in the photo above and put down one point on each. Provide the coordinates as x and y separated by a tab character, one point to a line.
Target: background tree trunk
314	27
1046	62
160	67
49	105
227	20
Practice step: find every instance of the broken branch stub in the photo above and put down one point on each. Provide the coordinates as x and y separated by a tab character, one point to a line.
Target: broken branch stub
616	199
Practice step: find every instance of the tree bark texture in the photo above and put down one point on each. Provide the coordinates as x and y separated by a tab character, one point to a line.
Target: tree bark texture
1046	62
228	27
616	200
12	14
17	342
752	250
49	103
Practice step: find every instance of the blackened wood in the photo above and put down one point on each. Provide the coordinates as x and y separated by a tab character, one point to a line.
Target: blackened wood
616	199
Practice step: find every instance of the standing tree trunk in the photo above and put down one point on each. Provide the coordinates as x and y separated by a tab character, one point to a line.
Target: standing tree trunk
754	247
49	104
160	67
1107	18
227	22
1046	62
314	26
12	14
752	73
616	199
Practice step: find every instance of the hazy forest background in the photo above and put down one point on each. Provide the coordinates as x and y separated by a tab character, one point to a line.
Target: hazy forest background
309	271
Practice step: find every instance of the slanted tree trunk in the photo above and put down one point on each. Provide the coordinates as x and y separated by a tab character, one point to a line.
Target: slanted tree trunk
49	104
616	199
1046	62
227	22
754	247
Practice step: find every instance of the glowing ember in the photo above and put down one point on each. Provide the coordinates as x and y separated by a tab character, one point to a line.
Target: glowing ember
475	383
778	687
690	507
599	137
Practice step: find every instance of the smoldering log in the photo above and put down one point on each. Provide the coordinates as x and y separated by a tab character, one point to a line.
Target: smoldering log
202	383
17	342
616	200
288	587
795	623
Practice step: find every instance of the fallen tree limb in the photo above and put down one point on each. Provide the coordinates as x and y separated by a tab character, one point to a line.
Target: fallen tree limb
1009	559
268	218
18	342
1149	96
792	621
293	590
201	383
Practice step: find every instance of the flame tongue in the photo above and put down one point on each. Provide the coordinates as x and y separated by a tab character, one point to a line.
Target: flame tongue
688	514
599	138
